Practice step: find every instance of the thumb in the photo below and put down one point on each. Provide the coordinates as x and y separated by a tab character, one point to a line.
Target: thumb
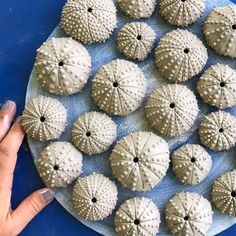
30	207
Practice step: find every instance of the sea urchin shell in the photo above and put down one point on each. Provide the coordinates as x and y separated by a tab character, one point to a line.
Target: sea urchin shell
224	193
94	197
191	163
182	12
220	30
188	213
89	21
137	217
217	86
172	109
62	66
59	164
44	118
94	132
180	55
140	160
135	40
218	131
137	8
119	87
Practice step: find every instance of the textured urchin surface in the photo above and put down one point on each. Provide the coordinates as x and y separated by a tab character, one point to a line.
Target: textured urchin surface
93	132
59	164
94	197
188	213
172	109
137	8
62	66
224	193
220	30
135	40
191	163
137	217
182	12
140	160
218	131
89	21
119	87
44	118
180	55
217	86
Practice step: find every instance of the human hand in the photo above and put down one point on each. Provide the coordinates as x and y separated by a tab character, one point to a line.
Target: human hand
12	222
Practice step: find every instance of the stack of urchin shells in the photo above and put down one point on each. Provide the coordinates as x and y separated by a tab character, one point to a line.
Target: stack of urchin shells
139	160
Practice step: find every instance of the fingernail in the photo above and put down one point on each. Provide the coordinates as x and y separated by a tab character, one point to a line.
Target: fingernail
18	119
48	195
9	105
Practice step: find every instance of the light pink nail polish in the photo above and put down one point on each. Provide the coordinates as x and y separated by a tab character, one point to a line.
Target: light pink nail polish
9	105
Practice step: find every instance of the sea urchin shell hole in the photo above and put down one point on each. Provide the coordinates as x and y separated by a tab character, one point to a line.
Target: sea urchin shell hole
186	50
193	159
94	200
139	37
42	119
172	105
56	167
60	63
221	130
136	222
222	84
183	0
88	133
90	9
136	160
115	84
234	26
186	218
233	193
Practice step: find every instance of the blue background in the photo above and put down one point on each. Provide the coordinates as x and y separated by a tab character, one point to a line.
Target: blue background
24	26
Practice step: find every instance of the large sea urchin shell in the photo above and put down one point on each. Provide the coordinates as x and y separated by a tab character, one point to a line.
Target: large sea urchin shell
94	197
220	30
180	55
218	131
94	132
224	193
181	12
137	217
44	118
59	164
140	160
119	87
62	66
188	213
191	163
135	40
172	109
217	86
137	8
89	21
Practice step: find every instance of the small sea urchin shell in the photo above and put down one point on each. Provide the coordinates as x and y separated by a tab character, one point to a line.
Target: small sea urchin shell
44	118
180	55
59	164
137	8
217	86
94	132
191	163
62	66
172	109
135	40
224	193
137	217
89	21
220	30
218	131
182	12
94	197
119	87
140	160
188	213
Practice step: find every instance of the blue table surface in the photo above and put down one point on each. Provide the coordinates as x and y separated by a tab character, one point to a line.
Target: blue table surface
24	26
